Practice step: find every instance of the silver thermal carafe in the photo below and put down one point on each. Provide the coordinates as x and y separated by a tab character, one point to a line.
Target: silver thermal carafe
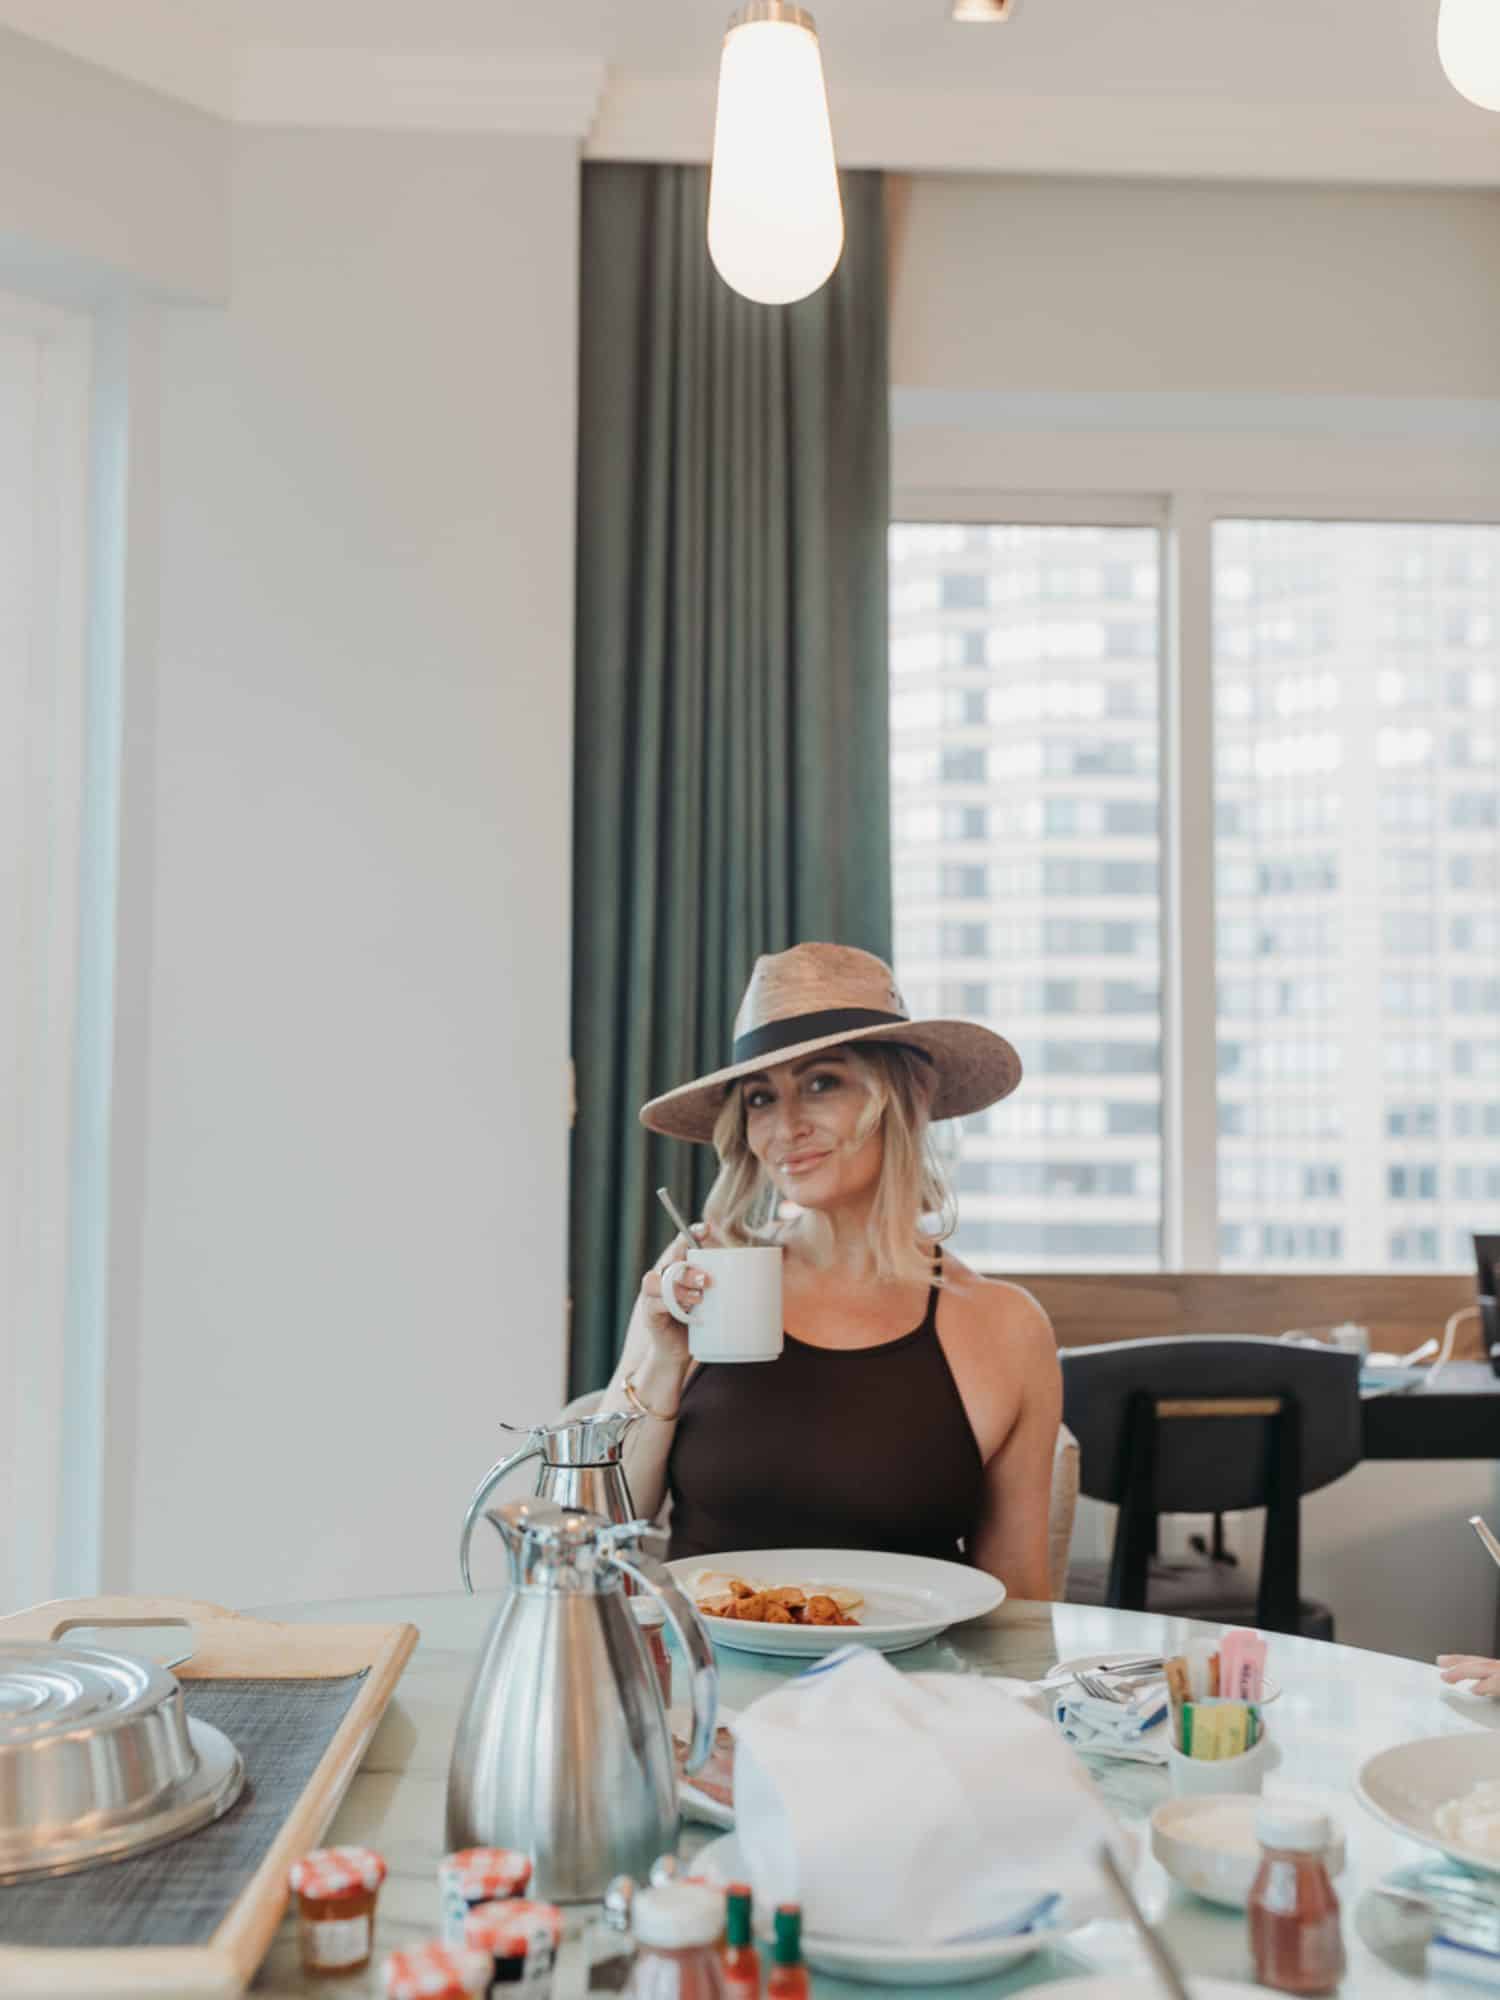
563	1749
582	1466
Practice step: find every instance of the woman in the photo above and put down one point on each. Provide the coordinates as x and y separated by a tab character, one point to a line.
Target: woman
915	1405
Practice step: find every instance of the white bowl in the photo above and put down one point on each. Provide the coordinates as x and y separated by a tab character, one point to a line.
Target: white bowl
1213	1868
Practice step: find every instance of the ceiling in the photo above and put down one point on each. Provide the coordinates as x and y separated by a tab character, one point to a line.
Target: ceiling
1327	89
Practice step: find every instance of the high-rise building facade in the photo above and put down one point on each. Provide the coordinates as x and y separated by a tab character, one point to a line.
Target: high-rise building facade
1025	731
1357	880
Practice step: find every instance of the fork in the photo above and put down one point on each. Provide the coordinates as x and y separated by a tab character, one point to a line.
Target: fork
1146	1662
1101	1690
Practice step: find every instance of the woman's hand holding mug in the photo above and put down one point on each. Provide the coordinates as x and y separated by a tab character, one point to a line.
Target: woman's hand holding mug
666	1327
740	1318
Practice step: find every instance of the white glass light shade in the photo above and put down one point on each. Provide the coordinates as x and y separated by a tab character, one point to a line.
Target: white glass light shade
1469	49
775	221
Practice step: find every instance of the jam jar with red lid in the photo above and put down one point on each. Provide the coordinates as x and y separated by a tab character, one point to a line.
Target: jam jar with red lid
336	1890
475	1875
437	1972
522	1939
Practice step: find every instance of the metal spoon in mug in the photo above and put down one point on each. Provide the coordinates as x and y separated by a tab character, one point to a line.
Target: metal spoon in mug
1479	1525
1164	1967
683	1227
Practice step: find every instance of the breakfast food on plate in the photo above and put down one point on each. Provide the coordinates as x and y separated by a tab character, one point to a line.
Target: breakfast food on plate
719	1595
1473	1820
715	1779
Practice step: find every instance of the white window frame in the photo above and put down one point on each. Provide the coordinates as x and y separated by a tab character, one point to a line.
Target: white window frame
42	770
1398	479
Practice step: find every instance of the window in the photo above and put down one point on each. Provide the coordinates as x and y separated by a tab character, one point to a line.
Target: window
1351	959
45	1459
1408	945
1053	935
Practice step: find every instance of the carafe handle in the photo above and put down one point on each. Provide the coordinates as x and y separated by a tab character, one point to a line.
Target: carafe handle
697	1647
531	1449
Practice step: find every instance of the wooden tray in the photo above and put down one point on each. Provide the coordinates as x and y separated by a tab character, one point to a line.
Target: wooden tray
225	1647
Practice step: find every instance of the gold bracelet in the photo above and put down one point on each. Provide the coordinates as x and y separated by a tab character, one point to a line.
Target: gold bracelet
642	1408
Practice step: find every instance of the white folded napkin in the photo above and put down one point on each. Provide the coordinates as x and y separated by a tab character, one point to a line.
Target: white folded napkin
1136	1730
915	1808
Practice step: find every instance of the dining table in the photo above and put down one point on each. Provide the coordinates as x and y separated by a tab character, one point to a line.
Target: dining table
1336	1706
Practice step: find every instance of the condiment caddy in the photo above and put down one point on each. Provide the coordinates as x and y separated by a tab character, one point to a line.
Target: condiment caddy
1217	1730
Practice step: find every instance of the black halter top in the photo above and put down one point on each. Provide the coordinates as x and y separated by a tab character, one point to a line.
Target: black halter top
827	1447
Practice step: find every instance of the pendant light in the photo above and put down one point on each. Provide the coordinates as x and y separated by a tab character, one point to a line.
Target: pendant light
1468	39
775	221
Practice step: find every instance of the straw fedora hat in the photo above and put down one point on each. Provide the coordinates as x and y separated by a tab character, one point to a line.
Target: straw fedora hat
820	996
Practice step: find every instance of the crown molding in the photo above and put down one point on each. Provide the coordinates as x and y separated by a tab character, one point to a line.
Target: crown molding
415	90
1177	137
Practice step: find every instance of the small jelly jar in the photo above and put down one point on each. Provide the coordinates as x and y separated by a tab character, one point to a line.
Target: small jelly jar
475	1875
437	1972
336	1890
521	1939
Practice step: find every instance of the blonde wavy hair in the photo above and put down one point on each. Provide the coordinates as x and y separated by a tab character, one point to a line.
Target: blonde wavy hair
913	1198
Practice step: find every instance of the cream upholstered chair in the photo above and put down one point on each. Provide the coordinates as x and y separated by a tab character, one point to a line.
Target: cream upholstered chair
1060	1512
1064	1502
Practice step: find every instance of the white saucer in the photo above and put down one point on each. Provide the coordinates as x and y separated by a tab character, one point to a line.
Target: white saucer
892	1964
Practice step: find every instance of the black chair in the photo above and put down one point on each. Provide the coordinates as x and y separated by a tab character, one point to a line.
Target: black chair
1209	1425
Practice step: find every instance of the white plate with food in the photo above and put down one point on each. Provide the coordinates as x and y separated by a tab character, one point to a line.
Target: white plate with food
708	1795
1441	1790
806	1602
877	1964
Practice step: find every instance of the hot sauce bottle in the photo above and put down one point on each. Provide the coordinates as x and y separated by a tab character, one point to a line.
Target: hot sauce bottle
1294	1913
788	1979
740	1959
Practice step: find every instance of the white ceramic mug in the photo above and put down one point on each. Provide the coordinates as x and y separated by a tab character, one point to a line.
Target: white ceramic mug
739	1315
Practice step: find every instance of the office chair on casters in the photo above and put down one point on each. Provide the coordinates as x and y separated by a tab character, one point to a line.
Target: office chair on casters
1199	1424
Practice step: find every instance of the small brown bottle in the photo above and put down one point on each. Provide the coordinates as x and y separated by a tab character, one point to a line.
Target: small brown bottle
1294	1914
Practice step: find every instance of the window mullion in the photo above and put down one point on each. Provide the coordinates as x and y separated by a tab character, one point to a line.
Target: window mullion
1190	1219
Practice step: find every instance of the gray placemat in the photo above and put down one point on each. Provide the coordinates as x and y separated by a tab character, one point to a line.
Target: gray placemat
179	1894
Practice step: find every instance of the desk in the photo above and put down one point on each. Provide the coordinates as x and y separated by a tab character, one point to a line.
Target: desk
1338	1706
1460	1418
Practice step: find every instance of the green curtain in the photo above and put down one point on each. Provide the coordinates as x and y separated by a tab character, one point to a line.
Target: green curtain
731	763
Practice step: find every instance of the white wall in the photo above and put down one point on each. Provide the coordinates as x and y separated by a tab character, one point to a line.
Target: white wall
1141	286
1318	346
104	184
339	1250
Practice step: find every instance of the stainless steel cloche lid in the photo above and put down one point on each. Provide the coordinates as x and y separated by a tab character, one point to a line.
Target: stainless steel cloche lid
98	1758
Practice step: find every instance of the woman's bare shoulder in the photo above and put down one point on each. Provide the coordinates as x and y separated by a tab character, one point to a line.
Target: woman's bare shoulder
985	1307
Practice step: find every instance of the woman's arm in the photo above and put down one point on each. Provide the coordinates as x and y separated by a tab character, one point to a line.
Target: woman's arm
1011	1536
656	1359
